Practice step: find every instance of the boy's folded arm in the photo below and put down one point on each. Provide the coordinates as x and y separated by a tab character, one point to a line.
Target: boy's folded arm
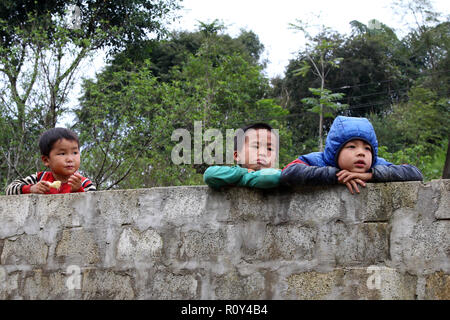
87	186
404	172
263	179
219	176
21	186
300	174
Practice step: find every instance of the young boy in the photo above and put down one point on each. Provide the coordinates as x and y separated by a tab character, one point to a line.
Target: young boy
60	152
256	157
350	158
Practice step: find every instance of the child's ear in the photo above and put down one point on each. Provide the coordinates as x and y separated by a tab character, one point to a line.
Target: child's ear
236	156
45	160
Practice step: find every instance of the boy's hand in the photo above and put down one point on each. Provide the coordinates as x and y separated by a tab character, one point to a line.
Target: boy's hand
344	176
41	187
250	170
352	179
75	182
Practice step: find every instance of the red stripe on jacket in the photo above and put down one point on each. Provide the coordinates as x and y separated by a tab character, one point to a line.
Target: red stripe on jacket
295	161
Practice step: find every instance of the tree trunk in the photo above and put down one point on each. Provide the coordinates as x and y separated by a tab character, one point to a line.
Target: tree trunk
446	172
321	116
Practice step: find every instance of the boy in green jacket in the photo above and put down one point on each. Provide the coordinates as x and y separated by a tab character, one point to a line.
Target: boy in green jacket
256	158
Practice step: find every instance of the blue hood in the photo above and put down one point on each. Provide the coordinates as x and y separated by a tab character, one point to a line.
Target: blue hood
342	131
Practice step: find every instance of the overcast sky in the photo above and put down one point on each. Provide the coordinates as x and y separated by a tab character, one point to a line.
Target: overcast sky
270	19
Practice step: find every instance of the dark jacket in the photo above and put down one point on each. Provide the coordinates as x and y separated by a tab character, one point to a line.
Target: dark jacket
321	167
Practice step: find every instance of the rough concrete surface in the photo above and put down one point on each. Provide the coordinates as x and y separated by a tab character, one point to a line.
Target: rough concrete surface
391	241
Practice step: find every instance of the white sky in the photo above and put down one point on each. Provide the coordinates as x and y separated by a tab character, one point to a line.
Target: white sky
269	20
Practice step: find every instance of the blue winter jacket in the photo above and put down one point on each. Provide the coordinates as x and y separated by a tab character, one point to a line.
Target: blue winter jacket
321	167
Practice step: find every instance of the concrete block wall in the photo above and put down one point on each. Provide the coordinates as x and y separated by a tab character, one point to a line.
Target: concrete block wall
392	241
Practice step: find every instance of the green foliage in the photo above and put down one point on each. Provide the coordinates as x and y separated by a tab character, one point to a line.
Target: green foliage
325	99
416	132
128	115
40	54
429	163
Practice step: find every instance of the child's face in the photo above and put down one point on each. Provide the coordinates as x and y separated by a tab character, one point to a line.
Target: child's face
259	151
355	156
64	159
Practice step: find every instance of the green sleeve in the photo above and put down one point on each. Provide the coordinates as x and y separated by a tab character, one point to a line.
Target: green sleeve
264	179
219	176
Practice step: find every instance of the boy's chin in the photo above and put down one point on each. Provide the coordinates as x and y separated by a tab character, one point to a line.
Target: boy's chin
257	167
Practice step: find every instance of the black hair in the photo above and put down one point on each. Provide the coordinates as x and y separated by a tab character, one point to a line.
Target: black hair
49	137
259	125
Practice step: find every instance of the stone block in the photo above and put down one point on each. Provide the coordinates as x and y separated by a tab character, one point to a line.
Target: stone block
377	283
315	206
417	245
139	246
14	213
360	244
371	283
282	242
312	285
437	286
101	284
59	208
443	186
375	204
9	284
175	206
234	286
45	285
118	207
168	286
202	246
77	247
24	249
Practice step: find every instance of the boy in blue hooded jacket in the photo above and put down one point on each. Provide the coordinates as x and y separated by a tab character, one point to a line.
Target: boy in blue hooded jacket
350	158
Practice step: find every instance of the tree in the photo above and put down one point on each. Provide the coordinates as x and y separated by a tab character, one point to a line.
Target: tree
125	124
220	85
446	171
319	59
416	132
40	53
175	49
324	103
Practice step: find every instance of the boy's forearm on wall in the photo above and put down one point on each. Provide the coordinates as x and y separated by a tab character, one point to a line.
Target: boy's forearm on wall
393	173
263	179
21	186
219	176
300	174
